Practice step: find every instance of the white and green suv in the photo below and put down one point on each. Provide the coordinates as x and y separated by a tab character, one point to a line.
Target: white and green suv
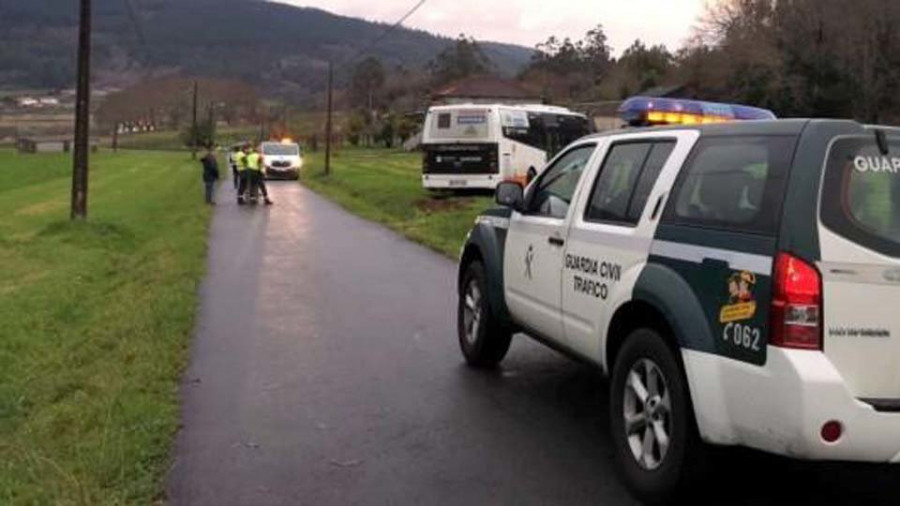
739	283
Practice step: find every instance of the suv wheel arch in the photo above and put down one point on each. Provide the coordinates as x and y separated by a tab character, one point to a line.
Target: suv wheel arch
470	254
628	318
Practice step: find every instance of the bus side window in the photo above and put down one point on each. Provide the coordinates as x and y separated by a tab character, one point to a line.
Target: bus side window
443	121
538	132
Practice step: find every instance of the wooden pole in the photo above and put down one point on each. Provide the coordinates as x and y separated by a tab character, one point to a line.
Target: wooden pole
82	116
194	133
210	122
328	122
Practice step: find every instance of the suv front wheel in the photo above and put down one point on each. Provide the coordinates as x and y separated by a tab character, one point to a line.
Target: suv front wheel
652	426
483	341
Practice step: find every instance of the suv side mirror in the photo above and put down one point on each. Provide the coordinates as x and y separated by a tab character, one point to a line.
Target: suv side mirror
510	194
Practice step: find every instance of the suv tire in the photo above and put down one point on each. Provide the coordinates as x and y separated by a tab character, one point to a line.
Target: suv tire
659	448
482	340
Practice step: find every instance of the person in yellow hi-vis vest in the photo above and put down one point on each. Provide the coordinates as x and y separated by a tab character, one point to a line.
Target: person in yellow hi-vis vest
243	183
237	159
255	175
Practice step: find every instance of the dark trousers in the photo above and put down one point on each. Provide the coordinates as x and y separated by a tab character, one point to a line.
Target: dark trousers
254	177
236	174
243	183
210	188
261	181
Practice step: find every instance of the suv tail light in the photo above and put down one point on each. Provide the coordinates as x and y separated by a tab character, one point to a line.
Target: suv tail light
796	316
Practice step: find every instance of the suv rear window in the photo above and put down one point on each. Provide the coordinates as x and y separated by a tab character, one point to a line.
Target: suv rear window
861	193
734	183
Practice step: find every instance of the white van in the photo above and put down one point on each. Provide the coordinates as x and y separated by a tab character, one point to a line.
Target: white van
478	146
281	160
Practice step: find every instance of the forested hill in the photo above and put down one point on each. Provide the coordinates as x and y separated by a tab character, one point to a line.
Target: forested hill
280	47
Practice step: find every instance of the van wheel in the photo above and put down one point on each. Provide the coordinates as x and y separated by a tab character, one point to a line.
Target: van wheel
653	431
482	341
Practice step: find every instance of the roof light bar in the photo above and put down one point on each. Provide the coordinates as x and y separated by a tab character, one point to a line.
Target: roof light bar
642	111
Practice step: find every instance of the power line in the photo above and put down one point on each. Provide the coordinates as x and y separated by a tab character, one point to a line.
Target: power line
328	121
135	22
383	35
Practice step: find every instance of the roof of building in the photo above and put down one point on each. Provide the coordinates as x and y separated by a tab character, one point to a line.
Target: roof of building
485	86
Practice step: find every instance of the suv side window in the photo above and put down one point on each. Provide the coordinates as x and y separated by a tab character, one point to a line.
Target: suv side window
625	181
553	192
733	183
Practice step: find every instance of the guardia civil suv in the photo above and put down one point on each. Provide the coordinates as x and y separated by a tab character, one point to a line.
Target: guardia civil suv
738	282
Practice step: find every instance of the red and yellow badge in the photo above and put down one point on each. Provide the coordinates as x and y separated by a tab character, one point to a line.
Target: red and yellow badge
741	304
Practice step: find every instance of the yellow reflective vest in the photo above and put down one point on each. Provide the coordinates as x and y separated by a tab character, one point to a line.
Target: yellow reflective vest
240	159
253	161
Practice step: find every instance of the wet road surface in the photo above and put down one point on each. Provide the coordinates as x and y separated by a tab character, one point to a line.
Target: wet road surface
325	371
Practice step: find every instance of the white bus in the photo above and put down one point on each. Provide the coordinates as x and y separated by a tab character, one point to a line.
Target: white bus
478	146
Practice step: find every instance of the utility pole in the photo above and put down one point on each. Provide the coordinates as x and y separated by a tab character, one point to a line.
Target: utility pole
210	125
194	131
82	116
328	122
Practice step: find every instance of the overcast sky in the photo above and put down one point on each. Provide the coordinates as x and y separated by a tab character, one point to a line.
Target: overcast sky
528	22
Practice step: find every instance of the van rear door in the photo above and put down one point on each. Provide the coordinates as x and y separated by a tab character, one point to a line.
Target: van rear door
859	235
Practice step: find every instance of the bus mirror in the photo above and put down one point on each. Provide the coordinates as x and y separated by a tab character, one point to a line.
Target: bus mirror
510	194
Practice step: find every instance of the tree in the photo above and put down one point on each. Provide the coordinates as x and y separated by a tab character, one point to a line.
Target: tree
646	67
366	84
805	57
167	102
387	131
567	69
203	135
595	51
463	59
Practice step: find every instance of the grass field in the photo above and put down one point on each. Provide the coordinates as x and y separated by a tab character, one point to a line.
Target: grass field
386	186
96	317
170	140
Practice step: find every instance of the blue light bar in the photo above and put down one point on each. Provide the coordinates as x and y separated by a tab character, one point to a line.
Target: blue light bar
657	111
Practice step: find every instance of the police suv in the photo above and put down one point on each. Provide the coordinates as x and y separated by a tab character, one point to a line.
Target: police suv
739	283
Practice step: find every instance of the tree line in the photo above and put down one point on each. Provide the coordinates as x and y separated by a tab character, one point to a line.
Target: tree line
800	58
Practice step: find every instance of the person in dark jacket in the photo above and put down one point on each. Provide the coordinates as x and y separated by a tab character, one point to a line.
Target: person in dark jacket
210	174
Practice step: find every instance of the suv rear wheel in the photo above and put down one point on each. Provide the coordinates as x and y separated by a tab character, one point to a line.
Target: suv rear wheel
483	341
652	426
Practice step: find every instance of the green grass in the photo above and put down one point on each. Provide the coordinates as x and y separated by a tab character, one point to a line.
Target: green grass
96	317
385	186
170	140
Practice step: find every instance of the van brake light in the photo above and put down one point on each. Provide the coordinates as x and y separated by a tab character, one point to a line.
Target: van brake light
796	316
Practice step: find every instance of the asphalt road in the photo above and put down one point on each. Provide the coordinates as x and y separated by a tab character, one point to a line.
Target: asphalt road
325	371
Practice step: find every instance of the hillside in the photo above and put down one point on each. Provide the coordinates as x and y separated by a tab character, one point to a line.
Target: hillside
284	49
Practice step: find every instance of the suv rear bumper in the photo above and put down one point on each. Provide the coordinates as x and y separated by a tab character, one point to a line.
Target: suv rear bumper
782	406
460	181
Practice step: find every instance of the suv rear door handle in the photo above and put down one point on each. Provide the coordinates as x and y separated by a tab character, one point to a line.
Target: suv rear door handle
556	241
